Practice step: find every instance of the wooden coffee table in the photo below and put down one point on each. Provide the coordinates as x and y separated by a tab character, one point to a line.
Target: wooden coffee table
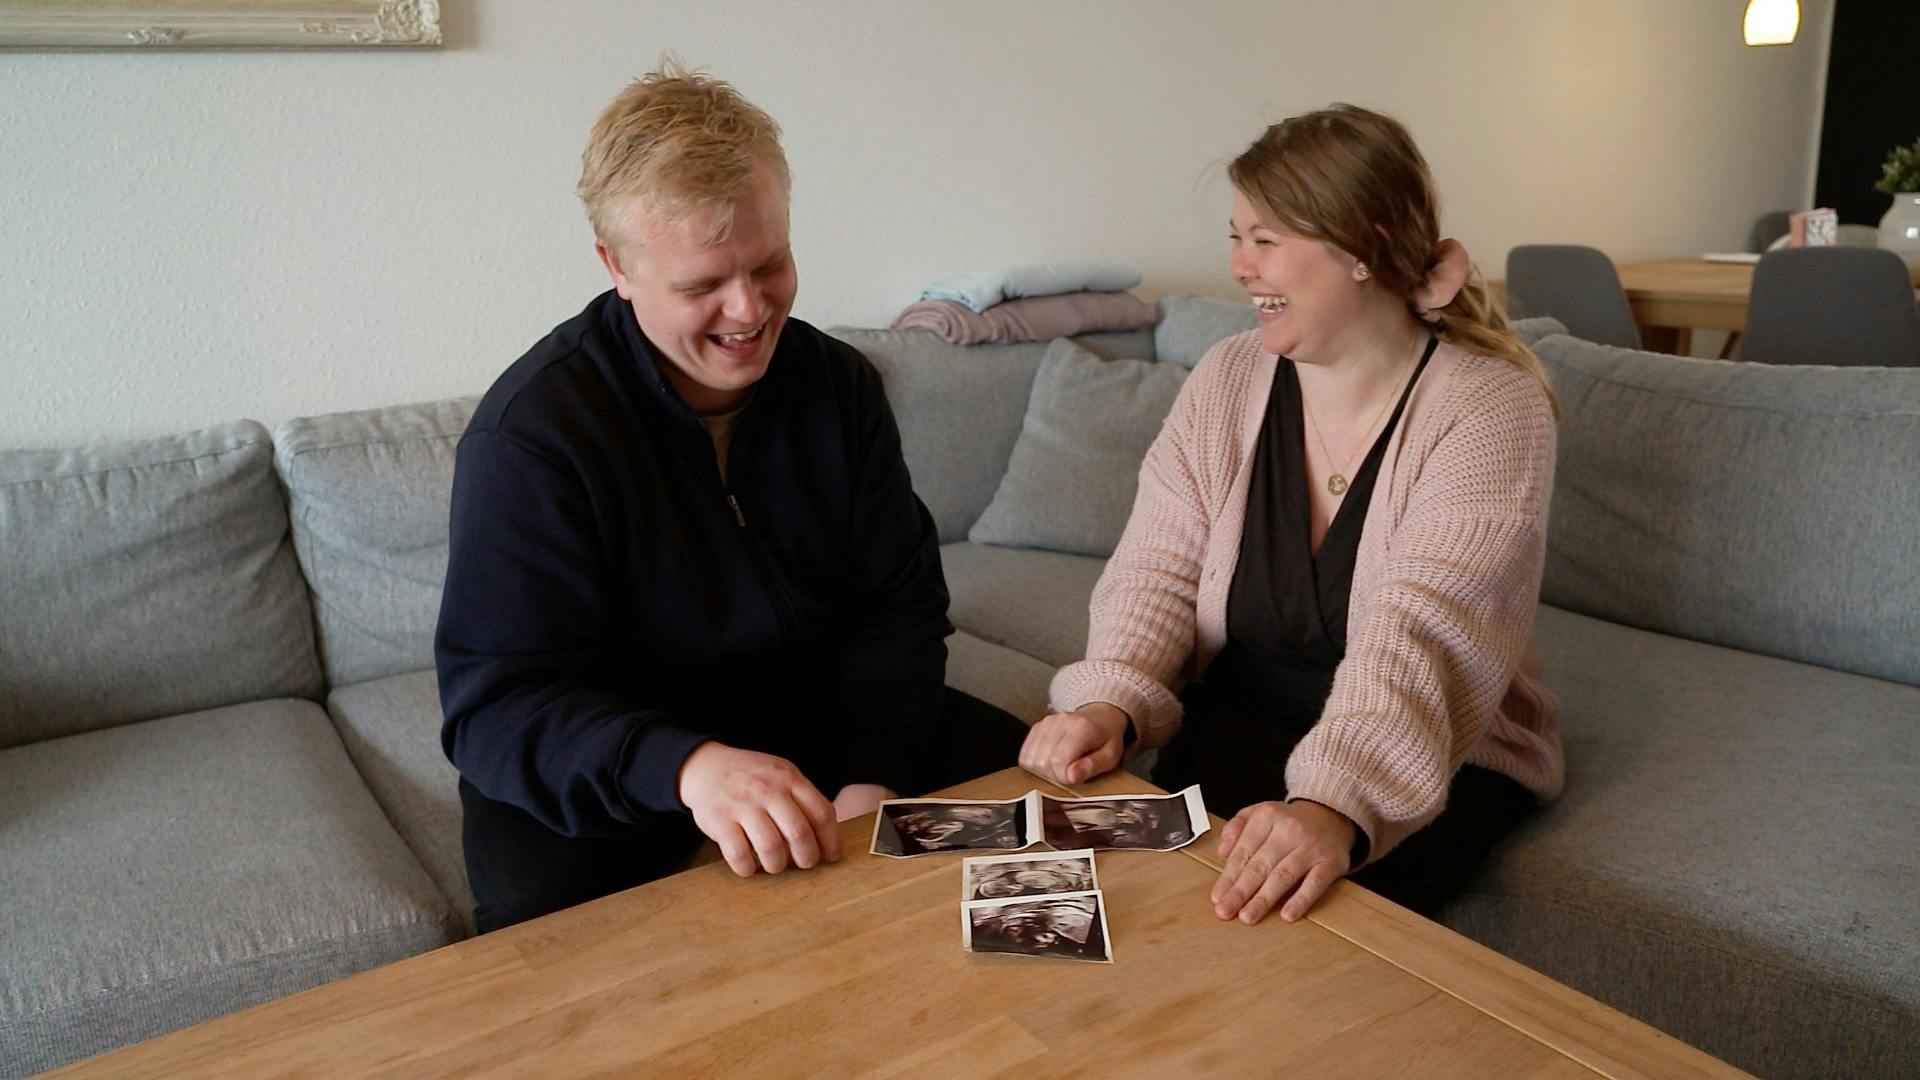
856	969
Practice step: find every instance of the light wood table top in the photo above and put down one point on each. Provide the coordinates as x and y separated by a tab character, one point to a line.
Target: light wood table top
856	969
1688	293
1671	297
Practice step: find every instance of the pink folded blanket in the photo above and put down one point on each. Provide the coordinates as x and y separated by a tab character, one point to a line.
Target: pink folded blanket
1039	318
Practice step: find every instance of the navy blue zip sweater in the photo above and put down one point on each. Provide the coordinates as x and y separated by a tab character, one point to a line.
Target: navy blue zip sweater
611	604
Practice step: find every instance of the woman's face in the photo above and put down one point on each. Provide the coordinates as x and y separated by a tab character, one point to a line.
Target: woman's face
1305	290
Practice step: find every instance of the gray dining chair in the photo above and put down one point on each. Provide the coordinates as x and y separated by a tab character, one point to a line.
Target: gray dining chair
1576	285
1847	306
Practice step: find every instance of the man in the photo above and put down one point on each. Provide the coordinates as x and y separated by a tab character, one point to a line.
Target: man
691	591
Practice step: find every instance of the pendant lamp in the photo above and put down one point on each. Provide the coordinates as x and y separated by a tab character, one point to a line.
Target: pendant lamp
1771	22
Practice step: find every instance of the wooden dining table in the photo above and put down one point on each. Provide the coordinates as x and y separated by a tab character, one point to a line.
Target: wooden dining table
1671	298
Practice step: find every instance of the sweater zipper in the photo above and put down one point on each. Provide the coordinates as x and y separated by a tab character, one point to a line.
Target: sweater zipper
762	563
769	573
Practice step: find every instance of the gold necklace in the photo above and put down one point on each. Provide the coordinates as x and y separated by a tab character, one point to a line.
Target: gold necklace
1337	480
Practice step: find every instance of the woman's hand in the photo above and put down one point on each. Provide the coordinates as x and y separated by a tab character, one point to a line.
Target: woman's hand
1273	849
1074	747
856	799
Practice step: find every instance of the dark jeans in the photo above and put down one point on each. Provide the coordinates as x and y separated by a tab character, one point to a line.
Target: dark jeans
520	869
1239	761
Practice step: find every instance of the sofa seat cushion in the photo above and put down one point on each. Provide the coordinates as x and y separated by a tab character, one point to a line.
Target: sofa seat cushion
161	873
391	728
998	675
1034	602
1733	860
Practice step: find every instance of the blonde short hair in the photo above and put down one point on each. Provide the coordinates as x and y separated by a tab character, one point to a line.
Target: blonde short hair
680	142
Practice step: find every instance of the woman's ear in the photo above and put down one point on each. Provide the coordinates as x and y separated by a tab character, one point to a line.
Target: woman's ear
1444	280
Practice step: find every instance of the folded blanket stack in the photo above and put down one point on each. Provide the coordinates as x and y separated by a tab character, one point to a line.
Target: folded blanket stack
1039	318
1031	303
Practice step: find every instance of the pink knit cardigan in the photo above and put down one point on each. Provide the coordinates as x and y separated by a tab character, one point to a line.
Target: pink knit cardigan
1440	668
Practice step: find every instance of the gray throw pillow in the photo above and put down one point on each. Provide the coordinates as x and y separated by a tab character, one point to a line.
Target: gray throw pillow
1071	478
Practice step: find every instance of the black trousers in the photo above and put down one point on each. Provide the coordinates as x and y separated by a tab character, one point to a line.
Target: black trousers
1429	868
520	869
1238	760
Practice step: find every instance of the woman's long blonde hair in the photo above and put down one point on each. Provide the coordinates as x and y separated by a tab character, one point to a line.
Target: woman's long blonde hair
1353	178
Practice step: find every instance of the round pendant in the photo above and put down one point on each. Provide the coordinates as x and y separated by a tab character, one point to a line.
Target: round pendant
1337	484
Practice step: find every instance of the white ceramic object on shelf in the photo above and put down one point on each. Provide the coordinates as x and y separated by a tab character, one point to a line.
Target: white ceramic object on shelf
1900	228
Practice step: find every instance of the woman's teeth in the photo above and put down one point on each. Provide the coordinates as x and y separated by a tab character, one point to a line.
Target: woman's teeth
1270	304
738	339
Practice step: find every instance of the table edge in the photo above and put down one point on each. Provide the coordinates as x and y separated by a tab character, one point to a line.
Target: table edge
1493	984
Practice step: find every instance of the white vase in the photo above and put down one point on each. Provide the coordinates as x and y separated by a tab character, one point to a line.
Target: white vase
1900	229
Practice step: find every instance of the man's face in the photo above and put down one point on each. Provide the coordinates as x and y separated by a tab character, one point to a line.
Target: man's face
714	311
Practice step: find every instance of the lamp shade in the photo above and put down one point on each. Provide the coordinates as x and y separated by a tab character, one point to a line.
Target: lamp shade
1771	22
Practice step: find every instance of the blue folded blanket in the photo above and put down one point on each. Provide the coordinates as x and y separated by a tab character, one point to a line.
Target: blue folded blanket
983	290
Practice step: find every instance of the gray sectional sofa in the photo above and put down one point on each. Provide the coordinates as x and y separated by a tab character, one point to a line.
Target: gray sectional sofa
220	778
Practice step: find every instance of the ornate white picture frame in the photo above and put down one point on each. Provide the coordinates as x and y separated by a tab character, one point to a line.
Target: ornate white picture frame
198	24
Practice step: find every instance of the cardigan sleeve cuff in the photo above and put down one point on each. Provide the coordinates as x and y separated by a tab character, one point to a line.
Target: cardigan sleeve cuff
1154	710
1343	792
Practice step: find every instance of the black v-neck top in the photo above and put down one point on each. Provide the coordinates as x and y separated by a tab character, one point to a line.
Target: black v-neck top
1287	606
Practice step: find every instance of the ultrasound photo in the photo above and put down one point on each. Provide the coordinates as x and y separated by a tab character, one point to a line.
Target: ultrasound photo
1072	926
1145	822
907	827
1037	873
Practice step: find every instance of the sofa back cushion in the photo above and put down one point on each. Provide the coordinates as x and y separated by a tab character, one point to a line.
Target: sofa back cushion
145	578
370	493
1531	331
960	407
1768	508
1190	325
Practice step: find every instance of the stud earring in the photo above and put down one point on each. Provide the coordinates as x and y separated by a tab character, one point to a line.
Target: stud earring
1360	272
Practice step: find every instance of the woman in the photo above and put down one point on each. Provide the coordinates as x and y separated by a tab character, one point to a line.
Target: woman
1336	547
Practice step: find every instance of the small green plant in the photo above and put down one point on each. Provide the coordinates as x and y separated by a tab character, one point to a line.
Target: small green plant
1901	173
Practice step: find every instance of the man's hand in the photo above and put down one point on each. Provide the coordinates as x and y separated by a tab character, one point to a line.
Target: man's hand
1074	747
1273	849
761	811
857	799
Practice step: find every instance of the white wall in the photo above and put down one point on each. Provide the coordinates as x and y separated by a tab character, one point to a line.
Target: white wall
188	237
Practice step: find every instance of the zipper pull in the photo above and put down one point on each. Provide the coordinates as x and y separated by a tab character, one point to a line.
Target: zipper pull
738	517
